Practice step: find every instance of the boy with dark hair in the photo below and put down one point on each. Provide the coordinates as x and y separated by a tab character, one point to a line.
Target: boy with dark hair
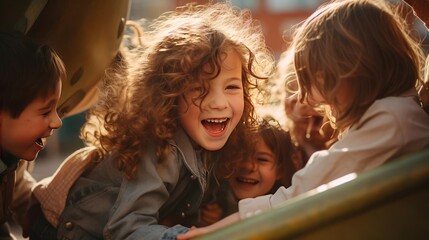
30	87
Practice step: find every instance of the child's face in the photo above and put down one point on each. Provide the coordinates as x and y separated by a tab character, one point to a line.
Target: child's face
256	176
26	135
210	121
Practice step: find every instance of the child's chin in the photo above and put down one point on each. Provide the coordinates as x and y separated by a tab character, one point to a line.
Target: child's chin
30	157
215	146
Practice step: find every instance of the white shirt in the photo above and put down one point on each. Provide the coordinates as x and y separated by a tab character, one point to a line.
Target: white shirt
390	128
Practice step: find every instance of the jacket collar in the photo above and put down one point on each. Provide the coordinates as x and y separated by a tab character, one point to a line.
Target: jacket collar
192	158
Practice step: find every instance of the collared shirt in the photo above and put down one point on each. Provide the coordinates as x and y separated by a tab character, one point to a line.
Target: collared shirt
52	191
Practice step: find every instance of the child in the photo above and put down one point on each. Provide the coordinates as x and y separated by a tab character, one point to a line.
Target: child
271	164
155	137
356	58
30	87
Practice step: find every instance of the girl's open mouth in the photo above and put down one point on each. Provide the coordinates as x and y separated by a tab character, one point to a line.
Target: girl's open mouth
215	125
246	180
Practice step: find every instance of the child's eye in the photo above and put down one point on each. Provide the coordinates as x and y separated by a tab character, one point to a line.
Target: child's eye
262	160
46	113
234	86
265	160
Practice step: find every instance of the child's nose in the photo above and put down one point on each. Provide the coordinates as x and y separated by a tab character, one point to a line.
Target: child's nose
216	100
249	165
55	122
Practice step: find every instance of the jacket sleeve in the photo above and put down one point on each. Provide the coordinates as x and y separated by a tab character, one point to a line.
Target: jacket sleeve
136	210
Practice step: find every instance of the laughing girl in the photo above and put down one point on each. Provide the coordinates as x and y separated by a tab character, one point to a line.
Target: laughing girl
155	137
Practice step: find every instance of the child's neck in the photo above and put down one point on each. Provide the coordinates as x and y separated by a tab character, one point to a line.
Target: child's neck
197	148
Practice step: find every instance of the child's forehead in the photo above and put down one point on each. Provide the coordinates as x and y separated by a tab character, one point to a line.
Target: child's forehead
227	58
49	92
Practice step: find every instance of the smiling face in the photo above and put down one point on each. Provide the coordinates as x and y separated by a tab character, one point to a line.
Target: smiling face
26	135
256	176
210	121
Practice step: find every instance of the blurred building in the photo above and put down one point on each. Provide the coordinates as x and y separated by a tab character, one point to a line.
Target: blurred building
277	17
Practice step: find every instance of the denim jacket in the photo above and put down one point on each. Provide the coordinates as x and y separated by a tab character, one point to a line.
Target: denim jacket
104	204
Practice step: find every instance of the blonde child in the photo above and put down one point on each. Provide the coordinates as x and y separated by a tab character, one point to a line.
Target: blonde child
155	137
30	87
270	164
356	58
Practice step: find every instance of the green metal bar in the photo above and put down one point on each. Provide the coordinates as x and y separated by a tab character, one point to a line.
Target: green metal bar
385	201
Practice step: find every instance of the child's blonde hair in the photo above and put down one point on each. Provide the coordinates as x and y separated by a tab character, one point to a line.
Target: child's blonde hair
364	43
142	111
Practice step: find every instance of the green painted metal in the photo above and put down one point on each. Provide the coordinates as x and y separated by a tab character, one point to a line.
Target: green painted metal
389	202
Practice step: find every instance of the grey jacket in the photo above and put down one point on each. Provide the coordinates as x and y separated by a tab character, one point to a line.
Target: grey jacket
104	204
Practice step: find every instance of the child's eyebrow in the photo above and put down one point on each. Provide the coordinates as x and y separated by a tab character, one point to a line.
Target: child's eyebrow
264	153
234	79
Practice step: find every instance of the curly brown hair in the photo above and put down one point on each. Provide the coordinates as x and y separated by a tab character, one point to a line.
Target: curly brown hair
139	103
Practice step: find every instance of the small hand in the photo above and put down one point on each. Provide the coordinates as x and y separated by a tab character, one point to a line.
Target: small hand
210	214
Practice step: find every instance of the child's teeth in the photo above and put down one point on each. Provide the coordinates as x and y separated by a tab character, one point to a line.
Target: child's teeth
216	120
